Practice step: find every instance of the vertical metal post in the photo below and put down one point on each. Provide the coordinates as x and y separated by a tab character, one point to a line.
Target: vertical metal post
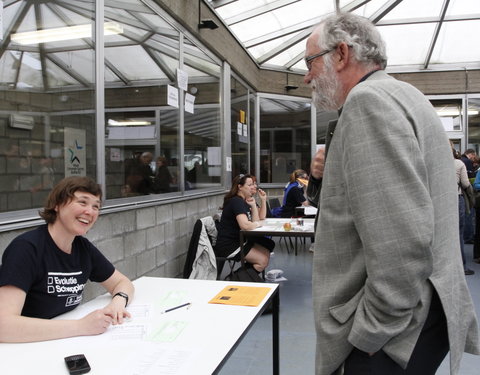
99	86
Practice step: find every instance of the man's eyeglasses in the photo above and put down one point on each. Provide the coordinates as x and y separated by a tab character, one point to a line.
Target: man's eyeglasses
309	59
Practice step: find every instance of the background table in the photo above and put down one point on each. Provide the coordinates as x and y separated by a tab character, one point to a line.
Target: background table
207	334
274	227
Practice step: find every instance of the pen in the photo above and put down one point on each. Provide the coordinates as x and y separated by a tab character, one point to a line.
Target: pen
176	307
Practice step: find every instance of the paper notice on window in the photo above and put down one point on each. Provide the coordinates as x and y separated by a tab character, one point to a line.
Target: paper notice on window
182	79
172	96
189	102
241	295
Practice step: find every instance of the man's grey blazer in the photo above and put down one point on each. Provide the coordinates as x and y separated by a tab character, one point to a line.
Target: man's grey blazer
387	230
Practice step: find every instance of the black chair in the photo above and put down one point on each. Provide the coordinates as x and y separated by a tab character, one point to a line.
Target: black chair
274	203
192	252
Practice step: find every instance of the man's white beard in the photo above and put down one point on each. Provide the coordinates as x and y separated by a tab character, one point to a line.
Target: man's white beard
326	88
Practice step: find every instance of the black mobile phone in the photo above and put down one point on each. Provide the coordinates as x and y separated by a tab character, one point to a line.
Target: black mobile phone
77	364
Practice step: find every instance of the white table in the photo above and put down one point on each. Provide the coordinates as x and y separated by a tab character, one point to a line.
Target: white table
193	341
274	227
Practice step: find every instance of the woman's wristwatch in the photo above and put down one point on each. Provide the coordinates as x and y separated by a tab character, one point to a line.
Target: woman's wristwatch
124	295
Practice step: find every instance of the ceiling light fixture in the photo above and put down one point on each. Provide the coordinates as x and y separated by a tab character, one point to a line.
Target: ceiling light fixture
455	112
128	123
63	33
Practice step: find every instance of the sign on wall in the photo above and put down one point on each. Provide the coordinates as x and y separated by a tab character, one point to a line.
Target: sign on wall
75	152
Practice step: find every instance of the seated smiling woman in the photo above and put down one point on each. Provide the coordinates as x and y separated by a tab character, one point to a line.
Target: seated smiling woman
240	212
44	271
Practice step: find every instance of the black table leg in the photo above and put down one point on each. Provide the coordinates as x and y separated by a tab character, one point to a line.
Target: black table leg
275	332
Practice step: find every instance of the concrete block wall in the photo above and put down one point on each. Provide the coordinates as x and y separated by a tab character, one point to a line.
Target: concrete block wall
150	241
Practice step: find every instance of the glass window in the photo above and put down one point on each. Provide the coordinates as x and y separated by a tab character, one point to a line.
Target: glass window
202	129
285	140
473	114
141	130
241	129
450	112
47	122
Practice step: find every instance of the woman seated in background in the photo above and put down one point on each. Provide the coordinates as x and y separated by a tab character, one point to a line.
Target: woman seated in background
294	195
44	271
262	197
240	212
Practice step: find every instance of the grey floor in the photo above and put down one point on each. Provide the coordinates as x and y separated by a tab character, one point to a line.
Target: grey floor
297	334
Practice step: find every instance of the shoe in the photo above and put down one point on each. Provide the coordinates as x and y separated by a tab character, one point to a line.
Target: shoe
469	272
476	260
312	248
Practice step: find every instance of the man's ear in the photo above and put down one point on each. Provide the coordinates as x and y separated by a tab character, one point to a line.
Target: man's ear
342	56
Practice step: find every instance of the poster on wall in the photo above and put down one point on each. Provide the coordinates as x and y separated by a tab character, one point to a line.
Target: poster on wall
75	152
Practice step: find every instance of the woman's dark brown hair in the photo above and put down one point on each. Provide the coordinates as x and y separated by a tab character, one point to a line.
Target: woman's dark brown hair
64	191
298	173
239	180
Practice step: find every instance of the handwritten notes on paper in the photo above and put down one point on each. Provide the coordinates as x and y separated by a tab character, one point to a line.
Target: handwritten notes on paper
241	295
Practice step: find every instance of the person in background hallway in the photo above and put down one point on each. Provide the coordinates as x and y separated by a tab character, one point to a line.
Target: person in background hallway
462	182
240	212
163	178
468	158
389	292
476	244
44	271
294	194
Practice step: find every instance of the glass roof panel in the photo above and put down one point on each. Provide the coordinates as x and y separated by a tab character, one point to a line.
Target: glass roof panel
408	40
461	7
58	77
79	61
240	6
255	27
453	47
415	9
369	8
407	46
139	68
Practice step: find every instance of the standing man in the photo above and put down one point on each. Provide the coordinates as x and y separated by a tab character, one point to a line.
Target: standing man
389	292
468	158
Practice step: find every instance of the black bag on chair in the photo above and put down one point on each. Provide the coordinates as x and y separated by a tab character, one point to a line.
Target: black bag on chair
246	274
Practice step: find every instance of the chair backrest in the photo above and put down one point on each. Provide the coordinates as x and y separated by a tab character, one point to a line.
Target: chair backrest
192	249
274	203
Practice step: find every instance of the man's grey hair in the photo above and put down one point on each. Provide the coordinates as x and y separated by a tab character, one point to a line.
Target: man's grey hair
359	33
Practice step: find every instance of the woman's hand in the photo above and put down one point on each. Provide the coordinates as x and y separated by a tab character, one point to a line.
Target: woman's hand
251	202
116	309
262	195
94	323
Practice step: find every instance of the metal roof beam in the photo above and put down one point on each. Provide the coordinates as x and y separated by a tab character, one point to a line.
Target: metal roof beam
220	3
161	64
435	33
39	26
258	11
284	46
384	10
127	6
60	14
12	28
411	21
75	75
288	30
355	4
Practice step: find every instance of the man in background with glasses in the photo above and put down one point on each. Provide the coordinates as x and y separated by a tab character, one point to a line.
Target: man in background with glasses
389	291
